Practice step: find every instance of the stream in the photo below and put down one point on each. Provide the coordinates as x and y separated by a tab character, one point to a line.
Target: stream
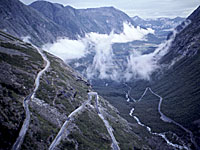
165	119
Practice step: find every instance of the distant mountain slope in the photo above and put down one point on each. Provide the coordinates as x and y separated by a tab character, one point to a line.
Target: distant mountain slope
162	26
184	76
21	20
63	16
159	23
44	21
101	20
179	83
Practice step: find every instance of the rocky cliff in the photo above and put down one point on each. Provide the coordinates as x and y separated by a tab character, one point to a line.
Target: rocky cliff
21	20
80	21
44	22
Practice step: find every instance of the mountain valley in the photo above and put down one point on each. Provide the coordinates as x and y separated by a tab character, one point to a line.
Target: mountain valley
131	84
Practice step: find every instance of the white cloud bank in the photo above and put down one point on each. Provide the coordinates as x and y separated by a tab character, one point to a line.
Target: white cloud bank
103	65
67	49
140	66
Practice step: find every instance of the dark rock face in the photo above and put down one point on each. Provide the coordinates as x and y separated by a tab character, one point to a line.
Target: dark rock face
63	16
21	20
45	22
186	42
185	73
103	20
80	21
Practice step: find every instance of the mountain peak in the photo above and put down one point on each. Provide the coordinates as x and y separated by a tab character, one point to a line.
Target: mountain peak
81	21
69	7
46	3
136	17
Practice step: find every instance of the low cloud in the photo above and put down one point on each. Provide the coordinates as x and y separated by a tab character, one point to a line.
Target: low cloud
140	66
104	65
131	33
67	49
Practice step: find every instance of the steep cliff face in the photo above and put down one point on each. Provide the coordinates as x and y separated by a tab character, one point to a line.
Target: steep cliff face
186	42
103	20
61	91
180	83
80	21
44	22
21	20
63	16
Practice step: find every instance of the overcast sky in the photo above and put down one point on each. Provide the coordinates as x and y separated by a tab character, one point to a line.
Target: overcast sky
142	8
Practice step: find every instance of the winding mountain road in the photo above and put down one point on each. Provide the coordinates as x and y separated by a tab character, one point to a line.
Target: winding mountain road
75	112
57	139
20	139
25	125
37	80
165	119
114	145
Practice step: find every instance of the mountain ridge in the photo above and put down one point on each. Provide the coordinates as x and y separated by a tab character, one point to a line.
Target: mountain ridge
42	27
101	20
21	20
